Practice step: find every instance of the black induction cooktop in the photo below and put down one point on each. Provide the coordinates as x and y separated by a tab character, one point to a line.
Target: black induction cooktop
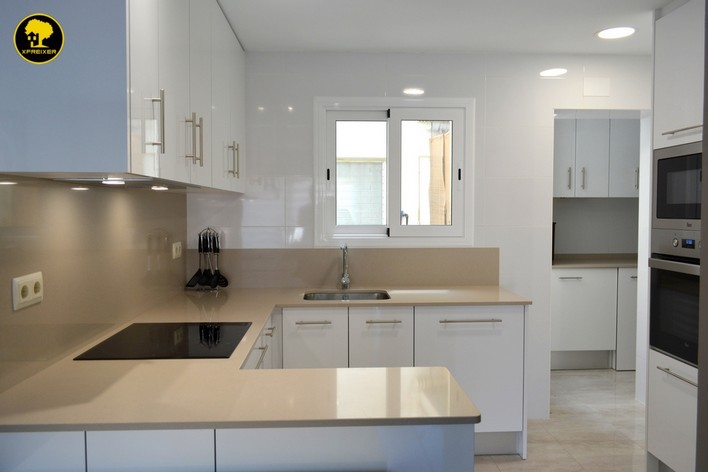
170	341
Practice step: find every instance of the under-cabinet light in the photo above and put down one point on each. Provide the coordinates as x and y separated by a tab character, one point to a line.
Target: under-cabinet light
413	91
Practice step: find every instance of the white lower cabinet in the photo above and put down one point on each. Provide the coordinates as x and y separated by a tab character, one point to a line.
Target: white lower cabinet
626	353
381	337
483	347
42	451
315	337
672	407
267	351
189	450
584	309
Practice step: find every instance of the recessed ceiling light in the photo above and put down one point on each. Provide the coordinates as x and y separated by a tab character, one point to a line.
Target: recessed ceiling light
113	181
80	189
616	33
7	182
159	188
555	72
413	91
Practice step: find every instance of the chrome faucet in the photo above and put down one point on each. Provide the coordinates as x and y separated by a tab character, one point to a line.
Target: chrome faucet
345	266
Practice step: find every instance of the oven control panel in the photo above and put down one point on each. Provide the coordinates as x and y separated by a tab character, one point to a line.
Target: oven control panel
676	243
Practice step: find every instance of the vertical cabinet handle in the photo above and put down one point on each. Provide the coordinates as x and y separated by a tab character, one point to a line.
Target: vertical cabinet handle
583	171
161	101
235	159
201	141
193	155
570	177
263	350
636	178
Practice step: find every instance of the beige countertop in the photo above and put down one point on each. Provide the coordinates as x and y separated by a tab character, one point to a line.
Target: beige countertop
215	393
594	261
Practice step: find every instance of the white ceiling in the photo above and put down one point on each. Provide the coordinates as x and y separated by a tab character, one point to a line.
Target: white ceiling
540	26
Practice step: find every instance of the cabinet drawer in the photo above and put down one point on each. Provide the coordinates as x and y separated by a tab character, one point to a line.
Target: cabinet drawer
671	411
381	337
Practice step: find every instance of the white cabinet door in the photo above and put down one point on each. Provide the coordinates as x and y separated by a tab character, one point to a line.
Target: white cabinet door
678	75
381	337
672	411
624	158
564	158
199	132
626	354
583	309
228	105
315	337
56	452
150	450
483	347
592	157
267	351
173	72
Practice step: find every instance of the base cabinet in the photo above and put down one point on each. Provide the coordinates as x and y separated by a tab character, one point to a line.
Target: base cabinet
267	351
483	347
672	407
315	337
381	337
42	451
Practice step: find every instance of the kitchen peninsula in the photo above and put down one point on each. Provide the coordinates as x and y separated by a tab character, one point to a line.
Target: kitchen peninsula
229	418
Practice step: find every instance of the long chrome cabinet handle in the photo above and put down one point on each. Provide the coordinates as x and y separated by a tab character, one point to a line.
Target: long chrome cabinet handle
236	159
201	141
193	121
570	177
666	370
321	322
570	278
161	101
679	130
636	178
263	350
270	331
384	321
488	320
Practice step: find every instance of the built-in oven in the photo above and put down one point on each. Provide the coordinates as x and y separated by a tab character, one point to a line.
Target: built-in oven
677	187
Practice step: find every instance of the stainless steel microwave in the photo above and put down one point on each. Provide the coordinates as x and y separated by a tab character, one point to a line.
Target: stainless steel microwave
677	187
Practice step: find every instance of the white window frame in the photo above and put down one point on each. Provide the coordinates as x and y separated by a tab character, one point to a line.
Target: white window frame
460	233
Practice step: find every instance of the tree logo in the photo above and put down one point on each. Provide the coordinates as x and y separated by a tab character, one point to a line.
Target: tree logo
39	38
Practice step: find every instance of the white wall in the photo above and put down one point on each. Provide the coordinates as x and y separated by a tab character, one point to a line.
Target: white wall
513	149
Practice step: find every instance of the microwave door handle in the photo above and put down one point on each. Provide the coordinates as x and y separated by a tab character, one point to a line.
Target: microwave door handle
681	267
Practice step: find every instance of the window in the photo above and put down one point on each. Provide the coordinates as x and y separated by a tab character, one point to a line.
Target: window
385	172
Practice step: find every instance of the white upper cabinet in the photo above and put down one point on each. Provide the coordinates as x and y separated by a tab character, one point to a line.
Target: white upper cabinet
624	158
678	76
228	82
596	154
127	96
70	114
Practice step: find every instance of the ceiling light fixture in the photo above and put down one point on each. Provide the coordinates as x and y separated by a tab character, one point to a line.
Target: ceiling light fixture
159	188
80	189
7	182
618	32
555	72
413	91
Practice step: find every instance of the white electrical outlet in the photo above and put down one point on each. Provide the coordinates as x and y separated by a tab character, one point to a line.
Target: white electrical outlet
27	290
177	250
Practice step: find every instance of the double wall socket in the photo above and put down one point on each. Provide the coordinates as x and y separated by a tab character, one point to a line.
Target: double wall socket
27	290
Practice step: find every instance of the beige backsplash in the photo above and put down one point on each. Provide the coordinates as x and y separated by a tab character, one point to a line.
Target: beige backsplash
105	255
322	268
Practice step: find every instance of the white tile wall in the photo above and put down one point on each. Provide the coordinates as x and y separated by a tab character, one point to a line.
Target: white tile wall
513	152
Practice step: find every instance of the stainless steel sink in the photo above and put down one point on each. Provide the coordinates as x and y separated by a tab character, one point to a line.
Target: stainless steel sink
345	295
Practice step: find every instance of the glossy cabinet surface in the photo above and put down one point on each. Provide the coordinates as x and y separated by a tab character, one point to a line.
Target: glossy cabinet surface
626	352
624	158
315	337
62	451
672	411
267	352
583	309
381	337
483	347
678	75
592	157
154	450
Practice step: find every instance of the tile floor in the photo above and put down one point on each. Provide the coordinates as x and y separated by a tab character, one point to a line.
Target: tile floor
595	425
